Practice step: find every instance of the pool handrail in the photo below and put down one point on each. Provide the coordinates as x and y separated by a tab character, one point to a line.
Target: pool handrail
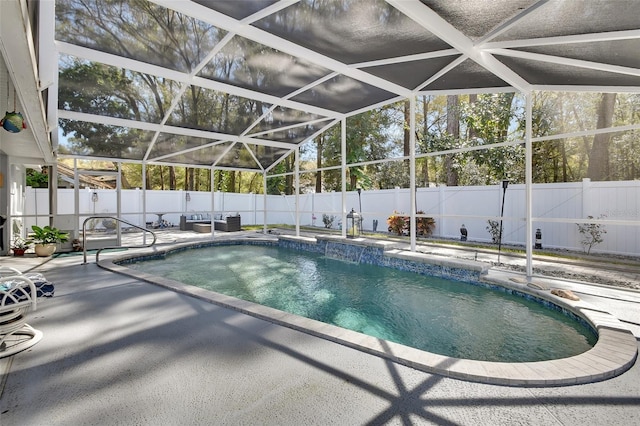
84	236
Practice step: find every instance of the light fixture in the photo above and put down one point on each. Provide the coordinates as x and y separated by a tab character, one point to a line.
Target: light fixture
360	210
94	199
538	242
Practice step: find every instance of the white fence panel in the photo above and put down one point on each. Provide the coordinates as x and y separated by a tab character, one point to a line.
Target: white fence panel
552	205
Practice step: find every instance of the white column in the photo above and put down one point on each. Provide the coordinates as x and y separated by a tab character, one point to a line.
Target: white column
144	201
441	209
76	199
528	185
264	203
412	169
213	202
119	204
296	182
343	168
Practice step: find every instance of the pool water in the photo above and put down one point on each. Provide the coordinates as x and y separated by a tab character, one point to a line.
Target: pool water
437	315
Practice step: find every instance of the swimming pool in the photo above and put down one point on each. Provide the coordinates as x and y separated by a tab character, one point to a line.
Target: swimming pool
433	314
614	353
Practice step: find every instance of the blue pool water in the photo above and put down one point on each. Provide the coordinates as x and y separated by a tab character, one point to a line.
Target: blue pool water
437	315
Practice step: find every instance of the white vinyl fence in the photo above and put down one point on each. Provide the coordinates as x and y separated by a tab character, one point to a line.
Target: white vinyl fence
556	209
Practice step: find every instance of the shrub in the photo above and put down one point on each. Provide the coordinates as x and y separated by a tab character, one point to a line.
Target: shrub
328	220
397	223
400	223
425	225
591	233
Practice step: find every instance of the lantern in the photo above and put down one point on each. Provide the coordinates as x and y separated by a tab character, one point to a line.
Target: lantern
353	221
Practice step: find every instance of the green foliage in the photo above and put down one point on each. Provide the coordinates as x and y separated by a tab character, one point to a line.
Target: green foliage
372	135
36	179
21	243
483	120
567	160
592	233
277	184
48	235
391	174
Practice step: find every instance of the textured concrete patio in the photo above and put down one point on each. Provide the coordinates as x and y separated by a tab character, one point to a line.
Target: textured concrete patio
120	351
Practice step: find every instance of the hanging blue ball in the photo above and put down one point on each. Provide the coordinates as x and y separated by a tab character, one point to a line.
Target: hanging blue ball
13	122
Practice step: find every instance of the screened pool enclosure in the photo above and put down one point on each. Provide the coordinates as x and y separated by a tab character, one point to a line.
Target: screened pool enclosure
244	85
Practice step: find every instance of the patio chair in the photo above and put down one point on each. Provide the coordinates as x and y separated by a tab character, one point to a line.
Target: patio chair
18	296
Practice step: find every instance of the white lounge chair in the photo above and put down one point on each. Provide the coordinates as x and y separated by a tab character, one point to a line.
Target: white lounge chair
18	296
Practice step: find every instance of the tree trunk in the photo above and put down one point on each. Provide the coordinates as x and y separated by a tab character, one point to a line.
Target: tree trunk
319	164
124	182
598	168
232	182
562	142
188	178
147	178
473	98
172	178
453	129
289	177
161	178
425	132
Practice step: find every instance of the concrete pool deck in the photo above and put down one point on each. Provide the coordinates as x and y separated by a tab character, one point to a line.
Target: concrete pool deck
117	350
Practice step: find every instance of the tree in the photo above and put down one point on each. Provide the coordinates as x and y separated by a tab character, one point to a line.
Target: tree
368	138
431	135
599	155
489	119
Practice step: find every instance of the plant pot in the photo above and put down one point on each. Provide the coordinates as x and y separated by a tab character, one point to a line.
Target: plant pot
45	250
18	252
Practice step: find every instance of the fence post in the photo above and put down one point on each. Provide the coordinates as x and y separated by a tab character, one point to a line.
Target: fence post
441	209
396	203
586	197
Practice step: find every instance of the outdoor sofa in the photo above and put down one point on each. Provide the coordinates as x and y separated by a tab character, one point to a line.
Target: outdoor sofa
187	221
226	223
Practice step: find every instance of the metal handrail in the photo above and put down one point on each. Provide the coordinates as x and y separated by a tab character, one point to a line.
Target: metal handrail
84	236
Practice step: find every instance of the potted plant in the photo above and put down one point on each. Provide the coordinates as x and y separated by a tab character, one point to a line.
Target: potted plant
46	239
20	245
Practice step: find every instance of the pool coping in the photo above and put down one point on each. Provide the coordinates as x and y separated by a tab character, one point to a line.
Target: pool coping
614	353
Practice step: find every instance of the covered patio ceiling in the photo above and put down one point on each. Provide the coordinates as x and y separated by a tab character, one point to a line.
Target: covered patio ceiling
240	84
